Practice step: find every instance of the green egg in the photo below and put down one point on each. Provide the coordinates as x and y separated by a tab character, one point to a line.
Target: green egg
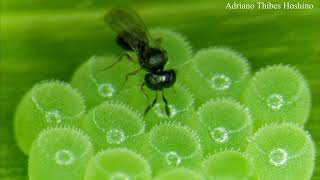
282	151
59	153
171	146
223	123
113	124
278	93
97	83
228	165
47	104
215	72
118	164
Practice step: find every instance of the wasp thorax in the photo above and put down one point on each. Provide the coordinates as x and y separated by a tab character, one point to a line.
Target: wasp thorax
153	59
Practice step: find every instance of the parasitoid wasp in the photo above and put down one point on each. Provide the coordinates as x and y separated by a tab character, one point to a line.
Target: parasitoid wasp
132	35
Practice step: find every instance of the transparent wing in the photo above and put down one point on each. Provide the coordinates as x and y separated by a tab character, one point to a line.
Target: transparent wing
125	20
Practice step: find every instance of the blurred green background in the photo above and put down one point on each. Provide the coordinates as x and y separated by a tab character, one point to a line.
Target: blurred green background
45	39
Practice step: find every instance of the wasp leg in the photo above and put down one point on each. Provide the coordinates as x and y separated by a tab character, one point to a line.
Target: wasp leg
150	106
144	93
168	111
128	75
158	41
117	61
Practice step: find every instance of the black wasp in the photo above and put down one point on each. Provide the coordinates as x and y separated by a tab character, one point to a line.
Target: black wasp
132	35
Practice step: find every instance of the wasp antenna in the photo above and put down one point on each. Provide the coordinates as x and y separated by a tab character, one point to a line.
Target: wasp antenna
144	93
150	106
168	111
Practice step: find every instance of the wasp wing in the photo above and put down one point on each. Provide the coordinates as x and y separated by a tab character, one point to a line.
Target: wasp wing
125	20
